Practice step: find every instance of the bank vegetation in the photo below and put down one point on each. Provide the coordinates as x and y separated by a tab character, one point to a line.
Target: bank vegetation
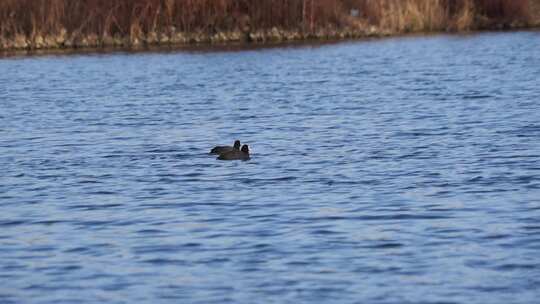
36	24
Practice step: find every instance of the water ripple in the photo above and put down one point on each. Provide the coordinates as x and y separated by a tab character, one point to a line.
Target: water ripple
378	174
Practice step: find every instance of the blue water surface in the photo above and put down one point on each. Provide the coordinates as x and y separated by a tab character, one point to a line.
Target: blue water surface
402	170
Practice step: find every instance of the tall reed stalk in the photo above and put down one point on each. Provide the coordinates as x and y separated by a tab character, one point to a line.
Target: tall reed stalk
155	20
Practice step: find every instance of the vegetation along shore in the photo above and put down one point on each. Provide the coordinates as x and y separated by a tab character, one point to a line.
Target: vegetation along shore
45	24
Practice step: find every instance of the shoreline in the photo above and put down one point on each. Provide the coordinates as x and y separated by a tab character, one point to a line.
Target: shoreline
62	40
31	26
264	42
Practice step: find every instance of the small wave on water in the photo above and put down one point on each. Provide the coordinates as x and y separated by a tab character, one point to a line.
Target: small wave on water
391	171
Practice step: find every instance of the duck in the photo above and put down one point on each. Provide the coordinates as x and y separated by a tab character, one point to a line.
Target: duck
243	154
223	149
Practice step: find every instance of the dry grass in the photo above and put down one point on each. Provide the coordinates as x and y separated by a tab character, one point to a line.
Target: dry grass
139	18
437	15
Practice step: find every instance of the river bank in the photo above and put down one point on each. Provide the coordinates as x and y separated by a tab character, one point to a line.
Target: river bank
49	24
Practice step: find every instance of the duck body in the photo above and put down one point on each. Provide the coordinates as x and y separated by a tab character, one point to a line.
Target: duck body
224	149
221	149
235	154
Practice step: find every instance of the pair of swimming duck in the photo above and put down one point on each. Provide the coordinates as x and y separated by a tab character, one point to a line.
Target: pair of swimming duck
231	153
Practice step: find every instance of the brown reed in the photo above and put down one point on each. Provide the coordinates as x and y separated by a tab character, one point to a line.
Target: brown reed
66	21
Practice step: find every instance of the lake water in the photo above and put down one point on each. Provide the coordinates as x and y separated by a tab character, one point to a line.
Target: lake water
401	170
